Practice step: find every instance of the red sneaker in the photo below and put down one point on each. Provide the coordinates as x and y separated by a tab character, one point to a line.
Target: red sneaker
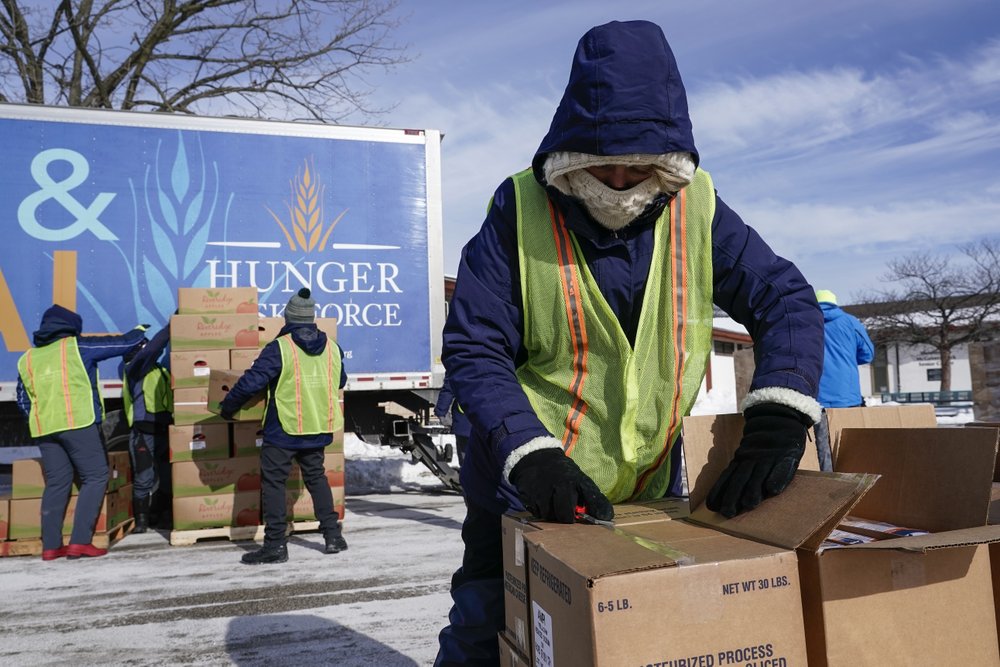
52	554
74	551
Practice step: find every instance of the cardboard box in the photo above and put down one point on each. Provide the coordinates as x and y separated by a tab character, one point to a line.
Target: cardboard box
206	478
217	510
509	655
4	516
906	600
880	416
120	469
517	617
199	442
213	332
191	369
241	360
660	593
327	325
120	509
993	425
216	300
300	506
191	407
248	437
333	464
26	516
268	328
734	589
28	479
219	384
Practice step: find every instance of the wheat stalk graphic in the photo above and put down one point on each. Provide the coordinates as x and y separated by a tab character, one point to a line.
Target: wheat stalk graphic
305	212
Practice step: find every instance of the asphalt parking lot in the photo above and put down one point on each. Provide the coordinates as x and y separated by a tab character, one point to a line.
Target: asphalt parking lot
381	602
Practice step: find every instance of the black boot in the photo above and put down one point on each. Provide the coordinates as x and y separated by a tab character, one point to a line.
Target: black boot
141	509
271	552
335	542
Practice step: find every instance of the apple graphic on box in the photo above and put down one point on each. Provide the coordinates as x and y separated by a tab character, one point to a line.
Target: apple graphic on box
248	517
248	482
246	337
247	307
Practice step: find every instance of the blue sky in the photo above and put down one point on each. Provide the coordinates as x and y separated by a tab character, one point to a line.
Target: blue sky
846	133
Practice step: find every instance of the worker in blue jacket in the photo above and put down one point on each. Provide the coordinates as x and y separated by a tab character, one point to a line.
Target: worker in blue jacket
302	371
450	413
580	326
149	405
846	346
58	393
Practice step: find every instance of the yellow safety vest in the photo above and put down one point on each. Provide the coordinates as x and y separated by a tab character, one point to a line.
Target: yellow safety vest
156	394
56	380
307	395
617	409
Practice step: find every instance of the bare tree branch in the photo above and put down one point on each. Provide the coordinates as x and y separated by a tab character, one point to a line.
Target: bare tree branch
282	58
940	301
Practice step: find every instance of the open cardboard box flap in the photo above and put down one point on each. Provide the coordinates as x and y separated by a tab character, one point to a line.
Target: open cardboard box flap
804	514
932	479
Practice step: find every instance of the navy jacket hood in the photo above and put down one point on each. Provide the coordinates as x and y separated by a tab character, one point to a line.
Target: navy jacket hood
624	96
57	322
309	339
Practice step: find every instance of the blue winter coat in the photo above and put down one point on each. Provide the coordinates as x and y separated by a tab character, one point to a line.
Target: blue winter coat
57	323
264	374
446	403
846	345
135	370
619	100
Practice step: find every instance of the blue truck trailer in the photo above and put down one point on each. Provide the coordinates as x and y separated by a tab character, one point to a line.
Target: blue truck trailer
109	212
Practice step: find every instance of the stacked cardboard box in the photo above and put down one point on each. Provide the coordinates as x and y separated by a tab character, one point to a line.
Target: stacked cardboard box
762	588
215	464
21	510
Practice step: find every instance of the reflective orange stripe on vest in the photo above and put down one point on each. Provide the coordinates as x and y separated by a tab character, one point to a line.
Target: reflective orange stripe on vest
679	284
578	327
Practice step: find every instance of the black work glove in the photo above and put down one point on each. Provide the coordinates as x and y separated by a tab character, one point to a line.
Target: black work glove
774	439
551	485
226	413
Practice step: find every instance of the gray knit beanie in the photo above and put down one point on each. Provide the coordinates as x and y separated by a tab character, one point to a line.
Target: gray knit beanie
301	309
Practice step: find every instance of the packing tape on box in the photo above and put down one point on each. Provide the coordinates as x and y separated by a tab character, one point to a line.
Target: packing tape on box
676	555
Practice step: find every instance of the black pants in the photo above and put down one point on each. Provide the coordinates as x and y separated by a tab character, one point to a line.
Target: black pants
275	464
477	614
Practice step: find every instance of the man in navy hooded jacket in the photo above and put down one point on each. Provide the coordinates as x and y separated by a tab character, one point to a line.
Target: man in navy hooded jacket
580	325
77	449
281	444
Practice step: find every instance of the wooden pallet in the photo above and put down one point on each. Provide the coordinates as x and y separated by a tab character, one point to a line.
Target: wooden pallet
185	538
33	546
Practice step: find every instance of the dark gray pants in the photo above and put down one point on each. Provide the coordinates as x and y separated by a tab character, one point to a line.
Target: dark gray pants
275	464
81	451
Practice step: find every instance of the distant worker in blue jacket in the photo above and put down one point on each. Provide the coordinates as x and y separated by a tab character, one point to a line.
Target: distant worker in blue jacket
57	391
451	415
302	371
581	324
846	346
149	406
